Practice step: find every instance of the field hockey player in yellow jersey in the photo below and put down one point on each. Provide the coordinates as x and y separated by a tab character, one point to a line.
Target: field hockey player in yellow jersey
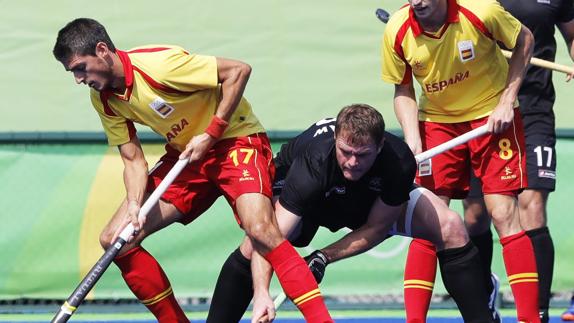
196	102
450	46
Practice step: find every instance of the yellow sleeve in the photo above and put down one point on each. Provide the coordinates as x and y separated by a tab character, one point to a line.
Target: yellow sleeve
394	68
117	128
501	24
190	72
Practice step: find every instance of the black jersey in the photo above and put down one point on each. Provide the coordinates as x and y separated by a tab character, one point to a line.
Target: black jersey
313	185
536	94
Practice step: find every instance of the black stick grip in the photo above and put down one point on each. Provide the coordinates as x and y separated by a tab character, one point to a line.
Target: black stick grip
71	304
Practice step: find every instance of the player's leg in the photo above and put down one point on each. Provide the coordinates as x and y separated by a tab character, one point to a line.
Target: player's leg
246	183
541	167
499	161
140	270
477	222
234	288
440	175
460	261
258	221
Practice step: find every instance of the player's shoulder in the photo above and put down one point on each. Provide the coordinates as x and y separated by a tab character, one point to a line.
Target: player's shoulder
151	57
397	146
155	49
397	20
483	9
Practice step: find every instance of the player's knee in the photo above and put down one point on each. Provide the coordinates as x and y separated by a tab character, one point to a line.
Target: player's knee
533	208
106	239
453	231
503	213
262	233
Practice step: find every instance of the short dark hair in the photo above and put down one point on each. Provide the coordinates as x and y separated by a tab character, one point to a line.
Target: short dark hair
360	122
80	37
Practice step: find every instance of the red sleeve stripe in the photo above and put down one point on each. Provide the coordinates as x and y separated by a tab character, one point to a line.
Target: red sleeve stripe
152	50
475	21
148	50
156	85
407	78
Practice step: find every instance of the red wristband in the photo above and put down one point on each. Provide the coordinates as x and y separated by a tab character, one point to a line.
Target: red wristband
216	127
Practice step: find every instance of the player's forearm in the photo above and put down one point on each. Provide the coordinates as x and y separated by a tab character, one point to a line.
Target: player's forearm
233	76
356	242
135	172
261	272
518	63
407	112
135	180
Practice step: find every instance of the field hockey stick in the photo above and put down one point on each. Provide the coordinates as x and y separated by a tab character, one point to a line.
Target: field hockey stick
544	64
452	143
71	304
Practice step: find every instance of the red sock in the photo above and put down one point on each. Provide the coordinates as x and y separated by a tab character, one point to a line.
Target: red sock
298	283
520	266
420	272
148	282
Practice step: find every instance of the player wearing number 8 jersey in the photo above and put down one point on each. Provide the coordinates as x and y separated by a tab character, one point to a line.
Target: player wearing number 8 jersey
451	49
196	102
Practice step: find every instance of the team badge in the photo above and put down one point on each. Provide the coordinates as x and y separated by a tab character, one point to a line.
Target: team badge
466	50
161	107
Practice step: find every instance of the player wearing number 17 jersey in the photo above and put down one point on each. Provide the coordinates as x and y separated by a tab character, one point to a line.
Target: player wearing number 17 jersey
450	46
196	102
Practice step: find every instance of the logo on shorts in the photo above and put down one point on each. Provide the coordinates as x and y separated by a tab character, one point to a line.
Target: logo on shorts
425	168
465	50
547	174
161	107
246	176
543	1
507	174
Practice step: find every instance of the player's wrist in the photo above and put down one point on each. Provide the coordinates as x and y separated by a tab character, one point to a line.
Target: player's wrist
321	254
216	127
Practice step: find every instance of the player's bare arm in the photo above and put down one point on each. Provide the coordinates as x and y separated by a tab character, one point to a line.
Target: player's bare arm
503	114
262	270
135	180
567	31
374	231
233	76
406	110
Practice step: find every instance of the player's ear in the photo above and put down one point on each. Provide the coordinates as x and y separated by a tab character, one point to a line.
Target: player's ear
381	144
102	50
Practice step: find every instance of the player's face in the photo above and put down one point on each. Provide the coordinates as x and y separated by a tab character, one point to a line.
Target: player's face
425	9
355	160
94	71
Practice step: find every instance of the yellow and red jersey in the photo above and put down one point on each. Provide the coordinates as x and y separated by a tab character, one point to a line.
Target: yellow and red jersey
172	91
460	68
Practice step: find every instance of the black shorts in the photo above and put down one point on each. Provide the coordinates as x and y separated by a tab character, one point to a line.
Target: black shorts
541	161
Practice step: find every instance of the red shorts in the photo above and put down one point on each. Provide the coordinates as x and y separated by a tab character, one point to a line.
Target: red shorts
497	160
232	167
